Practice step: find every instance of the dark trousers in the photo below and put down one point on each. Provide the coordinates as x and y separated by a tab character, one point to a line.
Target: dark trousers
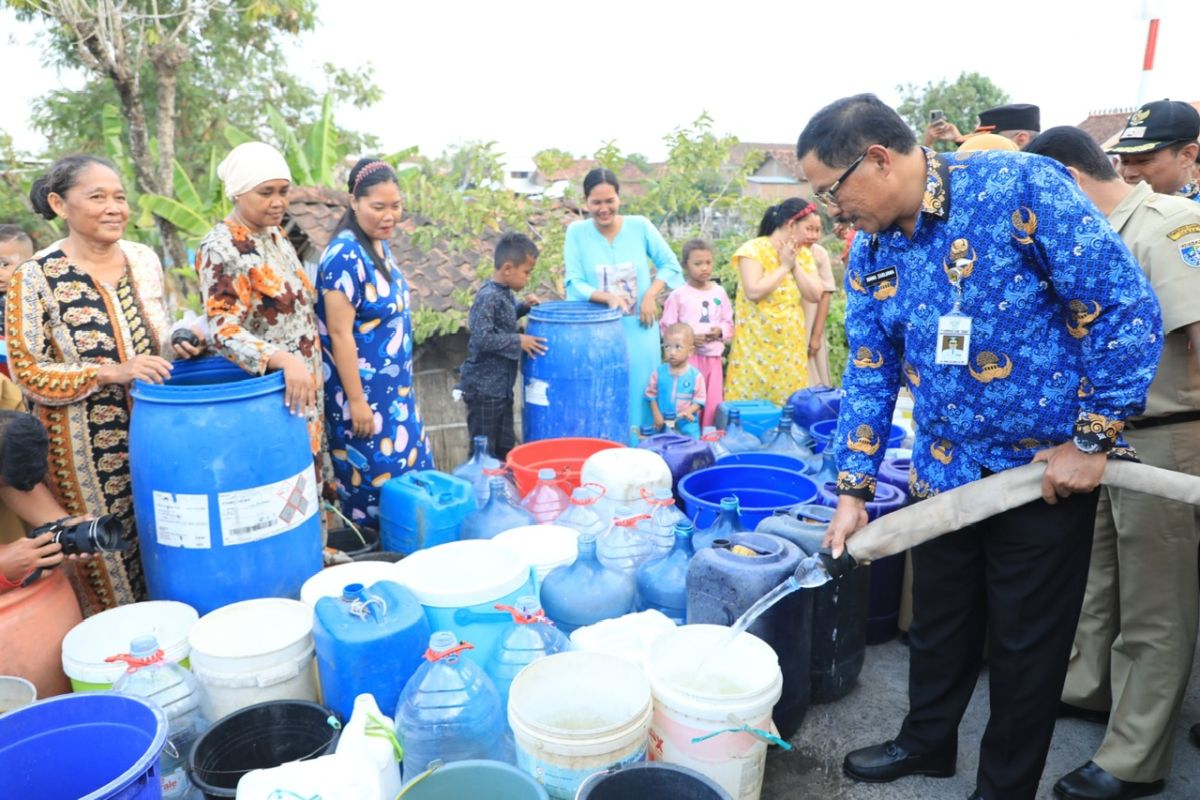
492	417
1019	579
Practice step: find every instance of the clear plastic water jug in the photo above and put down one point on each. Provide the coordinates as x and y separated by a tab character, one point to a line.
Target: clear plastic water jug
663	518
546	501
787	439
530	636
627	543
716	441
737	439
727	523
177	692
585	591
662	581
581	513
497	514
475	467
449	710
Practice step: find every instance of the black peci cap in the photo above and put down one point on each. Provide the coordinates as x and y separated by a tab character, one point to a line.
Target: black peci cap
1156	125
1012	117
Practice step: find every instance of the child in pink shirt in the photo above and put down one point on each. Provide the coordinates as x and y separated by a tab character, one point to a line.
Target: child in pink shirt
705	307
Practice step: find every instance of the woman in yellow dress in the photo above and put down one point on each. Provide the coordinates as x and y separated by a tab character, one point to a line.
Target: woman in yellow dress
769	358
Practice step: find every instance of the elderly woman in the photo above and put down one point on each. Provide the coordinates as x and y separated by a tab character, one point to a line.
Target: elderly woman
608	260
374	426
259	301
769	358
85	319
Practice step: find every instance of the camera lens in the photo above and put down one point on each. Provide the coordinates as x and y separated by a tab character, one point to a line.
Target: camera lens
101	535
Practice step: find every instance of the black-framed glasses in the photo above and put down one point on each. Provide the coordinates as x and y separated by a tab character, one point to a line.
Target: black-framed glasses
829	196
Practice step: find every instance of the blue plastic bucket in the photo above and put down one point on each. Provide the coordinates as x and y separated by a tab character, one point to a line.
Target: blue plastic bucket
494	780
824	430
760	491
580	385
90	746
224	490
777	460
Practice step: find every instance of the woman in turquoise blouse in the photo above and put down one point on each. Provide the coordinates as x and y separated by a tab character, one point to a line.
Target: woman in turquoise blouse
608	260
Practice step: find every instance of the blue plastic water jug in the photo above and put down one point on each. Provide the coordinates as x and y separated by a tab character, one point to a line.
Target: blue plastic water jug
683	454
757	416
498	514
368	640
627	543
737	439
664	516
449	710
474	470
581	514
815	404
530	636
423	508
177	693
786	438
586	591
662	582
727	523
714	438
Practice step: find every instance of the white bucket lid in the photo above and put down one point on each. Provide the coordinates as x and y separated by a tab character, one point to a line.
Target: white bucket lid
251	628
461	574
108	633
330	581
541	547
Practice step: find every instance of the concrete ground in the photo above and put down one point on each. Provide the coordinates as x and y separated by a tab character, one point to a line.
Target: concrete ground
872	712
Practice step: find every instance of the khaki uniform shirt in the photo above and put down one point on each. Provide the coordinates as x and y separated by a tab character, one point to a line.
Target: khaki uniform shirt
1164	234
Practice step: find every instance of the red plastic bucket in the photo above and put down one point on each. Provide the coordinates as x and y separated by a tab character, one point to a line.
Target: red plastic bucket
565	456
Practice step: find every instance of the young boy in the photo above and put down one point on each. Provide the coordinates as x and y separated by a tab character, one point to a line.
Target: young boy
495	346
15	248
679	383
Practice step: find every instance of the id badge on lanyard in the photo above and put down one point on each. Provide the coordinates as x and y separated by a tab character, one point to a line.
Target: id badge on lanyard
954	329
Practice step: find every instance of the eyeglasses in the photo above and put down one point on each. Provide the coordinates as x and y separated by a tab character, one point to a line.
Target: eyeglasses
829	196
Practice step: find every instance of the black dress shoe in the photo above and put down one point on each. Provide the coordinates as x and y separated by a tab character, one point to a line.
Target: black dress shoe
1068	711
1093	782
886	762
1195	734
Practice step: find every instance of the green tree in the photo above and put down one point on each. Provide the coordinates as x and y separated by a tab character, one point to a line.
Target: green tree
961	99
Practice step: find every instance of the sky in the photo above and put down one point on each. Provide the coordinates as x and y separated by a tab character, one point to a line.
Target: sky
532	74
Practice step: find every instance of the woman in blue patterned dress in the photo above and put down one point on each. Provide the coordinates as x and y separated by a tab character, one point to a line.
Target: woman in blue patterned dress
374	426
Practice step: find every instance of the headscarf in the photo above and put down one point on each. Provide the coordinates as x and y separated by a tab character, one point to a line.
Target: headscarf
250	164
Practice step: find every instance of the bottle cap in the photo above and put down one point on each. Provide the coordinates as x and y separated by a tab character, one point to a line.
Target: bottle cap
546	474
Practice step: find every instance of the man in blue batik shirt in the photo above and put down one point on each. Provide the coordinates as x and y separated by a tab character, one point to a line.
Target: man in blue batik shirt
1059	336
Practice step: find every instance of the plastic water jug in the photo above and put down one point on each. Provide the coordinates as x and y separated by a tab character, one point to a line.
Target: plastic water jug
369	737
714	438
786	438
663	518
586	591
368	640
581	513
828	470
737	439
497	514
530	636
472	470
423	508
727	523
177	693
546	501
683	454
757	416
662	581
815	404
627	543
449	709
624	473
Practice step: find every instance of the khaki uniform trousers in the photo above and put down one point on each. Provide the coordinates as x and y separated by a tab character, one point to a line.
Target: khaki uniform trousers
1137	630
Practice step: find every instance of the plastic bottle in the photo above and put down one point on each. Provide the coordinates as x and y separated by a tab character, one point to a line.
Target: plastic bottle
449	709
663	518
727	523
787	439
369	735
626	545
529	637
546	501
581	513
177	692
498	514
473	468
662	582
715	441
827	472
737	439
585	591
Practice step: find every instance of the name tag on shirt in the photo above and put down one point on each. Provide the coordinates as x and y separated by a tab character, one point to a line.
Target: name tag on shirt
879	276
953	340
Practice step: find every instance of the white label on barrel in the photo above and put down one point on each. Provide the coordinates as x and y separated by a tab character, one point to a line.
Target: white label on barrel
535	392
265	511
181	520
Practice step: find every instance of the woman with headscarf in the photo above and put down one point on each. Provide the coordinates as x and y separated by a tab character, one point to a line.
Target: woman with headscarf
374	425
260	302
86	318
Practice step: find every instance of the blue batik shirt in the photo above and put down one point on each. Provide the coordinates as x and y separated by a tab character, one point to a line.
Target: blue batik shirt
1065	332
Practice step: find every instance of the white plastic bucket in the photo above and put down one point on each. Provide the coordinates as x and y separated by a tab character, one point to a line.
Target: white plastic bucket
624	472
574	714
15	693
108	633
542	547
739	685
339	775
329	582
254	651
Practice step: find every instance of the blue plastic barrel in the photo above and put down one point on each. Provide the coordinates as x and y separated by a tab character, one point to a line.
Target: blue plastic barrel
423	508
368	640
580	386
777	460
92	746
759	490
824	430
224	490
758	416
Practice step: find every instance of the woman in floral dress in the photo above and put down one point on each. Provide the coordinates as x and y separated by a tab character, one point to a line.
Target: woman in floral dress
374	425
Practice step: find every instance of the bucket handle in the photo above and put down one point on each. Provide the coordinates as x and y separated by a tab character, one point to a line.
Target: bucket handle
595	776
465	616
743	727
431	768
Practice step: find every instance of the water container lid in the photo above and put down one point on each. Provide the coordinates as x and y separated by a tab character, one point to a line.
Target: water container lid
144	646
465	573
541	545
